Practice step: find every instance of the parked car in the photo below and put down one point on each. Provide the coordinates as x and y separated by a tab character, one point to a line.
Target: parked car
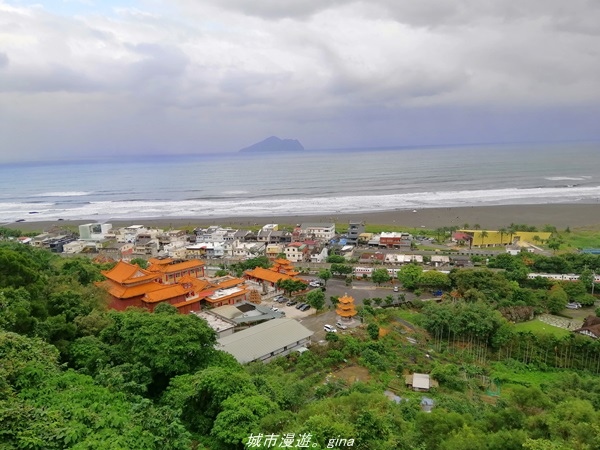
396	289
291	303
274	309
300	305
305	307
329	329
314	284
281	299
573	305
340	325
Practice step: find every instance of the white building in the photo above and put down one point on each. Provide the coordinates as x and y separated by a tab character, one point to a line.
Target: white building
296	252
175	249
320	231
74	247
243	250
94	231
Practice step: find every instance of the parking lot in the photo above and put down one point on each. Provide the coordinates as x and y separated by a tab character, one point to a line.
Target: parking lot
290	311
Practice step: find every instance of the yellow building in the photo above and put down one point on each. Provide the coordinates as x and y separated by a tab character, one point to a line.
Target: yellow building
491	238
345	307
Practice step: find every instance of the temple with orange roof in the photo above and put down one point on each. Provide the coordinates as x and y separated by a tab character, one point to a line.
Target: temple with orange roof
284	266
282	269
345	307
172	271
170	282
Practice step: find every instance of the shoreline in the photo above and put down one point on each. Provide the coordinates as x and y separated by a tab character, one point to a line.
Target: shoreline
488	217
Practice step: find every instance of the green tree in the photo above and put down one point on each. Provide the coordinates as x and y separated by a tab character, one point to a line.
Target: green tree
199	397
373	331
240	416
16	311
434	279
141	262
557	299
83	270
410	275
341	269
380	276
316	299
290	286
168	344
554	244
337	259
221	273
325	275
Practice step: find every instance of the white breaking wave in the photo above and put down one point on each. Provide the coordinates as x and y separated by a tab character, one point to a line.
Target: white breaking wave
567	178
241	207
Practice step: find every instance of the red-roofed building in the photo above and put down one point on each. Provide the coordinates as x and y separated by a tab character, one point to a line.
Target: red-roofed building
170	282
171	271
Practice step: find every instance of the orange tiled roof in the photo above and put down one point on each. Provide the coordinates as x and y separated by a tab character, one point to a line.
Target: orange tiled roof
282	262
346	299
166	293
177	267
229	283
267	275
160	261
197	284
123	292
124	273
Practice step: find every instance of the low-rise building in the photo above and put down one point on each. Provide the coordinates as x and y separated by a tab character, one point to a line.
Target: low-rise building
297	252
268	340
394	240
323	232
94	231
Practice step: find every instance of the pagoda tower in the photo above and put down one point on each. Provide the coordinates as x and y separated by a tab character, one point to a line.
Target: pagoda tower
284	266
345	307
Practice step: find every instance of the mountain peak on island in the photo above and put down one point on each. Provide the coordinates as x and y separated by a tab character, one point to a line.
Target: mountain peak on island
275	144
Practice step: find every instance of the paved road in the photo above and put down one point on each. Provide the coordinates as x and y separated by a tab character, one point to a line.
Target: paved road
359	290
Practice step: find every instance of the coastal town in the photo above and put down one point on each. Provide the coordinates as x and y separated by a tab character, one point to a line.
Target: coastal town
189	270
418	316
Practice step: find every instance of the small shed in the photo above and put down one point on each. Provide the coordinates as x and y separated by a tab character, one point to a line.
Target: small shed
420	382
427	404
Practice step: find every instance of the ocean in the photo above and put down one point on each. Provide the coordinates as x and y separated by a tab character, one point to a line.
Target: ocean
313	182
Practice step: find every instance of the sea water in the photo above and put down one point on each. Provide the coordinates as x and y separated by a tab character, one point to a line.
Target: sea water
312	182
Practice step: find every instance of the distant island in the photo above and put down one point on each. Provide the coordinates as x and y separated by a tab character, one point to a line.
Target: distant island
275	144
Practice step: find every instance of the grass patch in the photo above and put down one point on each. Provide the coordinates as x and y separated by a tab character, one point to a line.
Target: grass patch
536	326
524	377
408	315
581	238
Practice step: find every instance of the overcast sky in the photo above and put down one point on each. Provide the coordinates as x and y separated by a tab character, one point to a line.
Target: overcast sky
81	78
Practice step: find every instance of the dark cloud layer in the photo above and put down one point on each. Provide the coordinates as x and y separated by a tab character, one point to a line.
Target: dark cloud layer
191	76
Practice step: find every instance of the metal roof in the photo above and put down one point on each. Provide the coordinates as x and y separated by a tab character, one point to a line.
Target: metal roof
263	339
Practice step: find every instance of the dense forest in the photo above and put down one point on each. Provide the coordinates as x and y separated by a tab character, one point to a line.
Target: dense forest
74	374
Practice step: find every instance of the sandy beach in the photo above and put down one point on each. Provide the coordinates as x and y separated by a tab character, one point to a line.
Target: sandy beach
488	217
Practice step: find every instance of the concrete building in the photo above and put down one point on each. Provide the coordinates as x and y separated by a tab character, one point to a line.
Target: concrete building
320	231
355	229
268	340
94	231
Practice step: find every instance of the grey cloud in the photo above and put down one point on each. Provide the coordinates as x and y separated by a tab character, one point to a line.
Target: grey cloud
3	60
55	78
272	9
159	60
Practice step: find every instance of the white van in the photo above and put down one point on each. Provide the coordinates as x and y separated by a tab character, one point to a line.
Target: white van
329	329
